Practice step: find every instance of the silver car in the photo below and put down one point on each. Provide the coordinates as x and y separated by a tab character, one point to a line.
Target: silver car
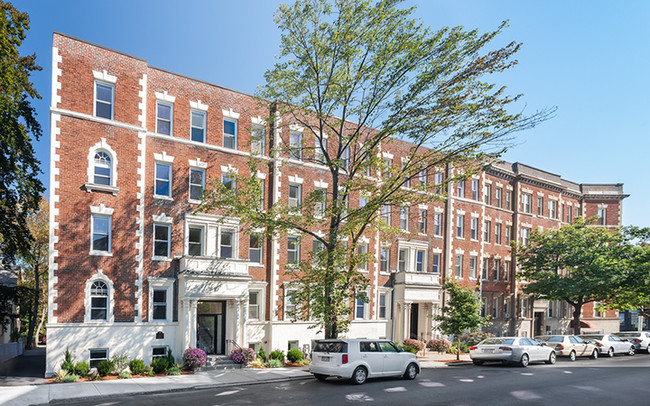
610	344
570	346
640	339
519	350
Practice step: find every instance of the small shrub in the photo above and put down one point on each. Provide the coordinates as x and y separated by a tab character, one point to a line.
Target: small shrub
60	375
81	368
417	344
304	362
125	375
159	365
408	348
261	354
277	354
173	371
439	344
242	355
68	361
273	363
105	367
194	357
170	358
121	361
94	376
256	363
149	372
294	355
71	378
136	366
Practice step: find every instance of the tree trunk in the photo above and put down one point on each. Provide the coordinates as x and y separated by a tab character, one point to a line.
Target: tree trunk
34	315
40	324
577	310
458	347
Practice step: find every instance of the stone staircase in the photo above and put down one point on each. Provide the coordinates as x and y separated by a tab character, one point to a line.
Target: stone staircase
219	362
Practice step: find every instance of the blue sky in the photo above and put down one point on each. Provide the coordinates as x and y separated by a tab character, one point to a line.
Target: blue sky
590	59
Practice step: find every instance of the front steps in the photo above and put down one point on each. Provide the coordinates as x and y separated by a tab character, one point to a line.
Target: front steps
219	362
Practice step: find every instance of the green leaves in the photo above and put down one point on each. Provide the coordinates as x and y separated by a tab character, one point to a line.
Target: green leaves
462	311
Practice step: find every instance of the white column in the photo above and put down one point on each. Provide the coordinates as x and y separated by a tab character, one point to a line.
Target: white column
237	321
244	318
407	321
186	340
192	325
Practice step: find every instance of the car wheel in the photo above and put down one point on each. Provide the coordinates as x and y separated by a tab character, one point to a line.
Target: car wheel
411	371
551	358
523	362
610	352
360	375
477	362
632	351
594	355
572	356
320	377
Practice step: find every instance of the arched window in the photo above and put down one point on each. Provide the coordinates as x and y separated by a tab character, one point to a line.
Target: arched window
99	301
103	168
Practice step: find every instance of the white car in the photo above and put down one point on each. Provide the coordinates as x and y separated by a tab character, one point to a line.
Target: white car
360	359
640	339
610	344
519	350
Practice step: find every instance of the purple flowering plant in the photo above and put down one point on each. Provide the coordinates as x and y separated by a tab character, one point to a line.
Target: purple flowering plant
194	357
243	355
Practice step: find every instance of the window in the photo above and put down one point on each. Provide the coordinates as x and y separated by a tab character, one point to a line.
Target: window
495	307
540	205
525	235
197	183
321	148
487	230
345	158
258	139
262	196
402	259
497	233
506	271
602	217
526	202
498	196
295	196
422	221
161	240
423	178
473	260
362	250
293	250
420	260
388	167
230	133
552	209
160	304
473	228
159	352
405	171
360	308
385	214
383	314
229	181
437	178
197	126
487	197
320	204
96	356
384	260
164	117
569	214
290	304
103	168
99	301
254	305
435	261
226	243
363	201
195	242
509	199
497	269
101	237
485	274
437	224
460	189
484	306
295	144
255	241
508	235
460	226
163	180
104	93
317	248
459	265
404	218
474	189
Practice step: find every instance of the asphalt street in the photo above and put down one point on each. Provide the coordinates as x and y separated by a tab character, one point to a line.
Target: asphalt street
619	381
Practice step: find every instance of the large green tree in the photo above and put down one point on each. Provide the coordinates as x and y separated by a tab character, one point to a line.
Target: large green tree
461	313
355	77
577	263
20	188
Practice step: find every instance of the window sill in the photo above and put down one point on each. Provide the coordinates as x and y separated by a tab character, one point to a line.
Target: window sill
100	254
161	197
193	201
162	259
256	265
92	187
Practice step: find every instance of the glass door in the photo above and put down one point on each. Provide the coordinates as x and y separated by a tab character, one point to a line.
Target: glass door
211	327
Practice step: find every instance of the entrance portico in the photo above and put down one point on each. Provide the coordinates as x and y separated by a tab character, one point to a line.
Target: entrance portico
417	296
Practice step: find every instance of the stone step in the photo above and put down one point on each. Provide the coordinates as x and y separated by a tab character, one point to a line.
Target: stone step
219	362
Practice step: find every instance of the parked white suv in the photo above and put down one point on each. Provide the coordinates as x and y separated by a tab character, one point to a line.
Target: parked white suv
360	359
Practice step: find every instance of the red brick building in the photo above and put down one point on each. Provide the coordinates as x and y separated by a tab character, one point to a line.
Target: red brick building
135	269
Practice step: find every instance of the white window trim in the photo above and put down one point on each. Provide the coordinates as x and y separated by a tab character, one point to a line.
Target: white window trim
235	242
171	116
260	302
186	240
197	105
366	306
103	78
101	211
236	135
103	146
386	292
166	284
171	180
99	276
205	121
167	221
189	184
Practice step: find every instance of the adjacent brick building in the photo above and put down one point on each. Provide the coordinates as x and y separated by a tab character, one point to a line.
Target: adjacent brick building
135	269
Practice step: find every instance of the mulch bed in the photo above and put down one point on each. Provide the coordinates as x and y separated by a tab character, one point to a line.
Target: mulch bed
112	377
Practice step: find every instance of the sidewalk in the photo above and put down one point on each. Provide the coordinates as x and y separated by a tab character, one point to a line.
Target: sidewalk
58	393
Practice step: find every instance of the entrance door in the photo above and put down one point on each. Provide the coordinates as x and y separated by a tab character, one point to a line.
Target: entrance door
539	318
414	321
211	327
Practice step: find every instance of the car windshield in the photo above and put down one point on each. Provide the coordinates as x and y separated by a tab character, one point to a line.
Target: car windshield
554	339
627	334
497	341
331	346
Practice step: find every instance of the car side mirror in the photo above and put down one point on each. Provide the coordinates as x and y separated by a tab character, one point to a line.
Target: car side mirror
542	344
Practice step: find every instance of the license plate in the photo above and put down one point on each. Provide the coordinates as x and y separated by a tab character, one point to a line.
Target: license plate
489	350
325	359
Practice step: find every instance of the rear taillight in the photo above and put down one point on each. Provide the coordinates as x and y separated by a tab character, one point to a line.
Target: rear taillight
505	348
559	347
636	340
344	359
472	348
599	345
